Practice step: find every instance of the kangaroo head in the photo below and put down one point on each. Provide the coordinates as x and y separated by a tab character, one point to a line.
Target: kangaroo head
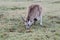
27	23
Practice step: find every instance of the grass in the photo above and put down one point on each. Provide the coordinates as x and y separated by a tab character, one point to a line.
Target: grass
13	28
13	8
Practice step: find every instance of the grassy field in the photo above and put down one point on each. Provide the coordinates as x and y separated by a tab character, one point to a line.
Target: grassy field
12	26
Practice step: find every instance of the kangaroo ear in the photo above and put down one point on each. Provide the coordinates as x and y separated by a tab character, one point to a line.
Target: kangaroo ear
23	19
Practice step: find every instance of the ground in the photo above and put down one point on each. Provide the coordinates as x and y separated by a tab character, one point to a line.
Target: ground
13	28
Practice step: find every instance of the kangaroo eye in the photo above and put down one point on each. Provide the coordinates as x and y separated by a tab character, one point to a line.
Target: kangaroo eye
28	24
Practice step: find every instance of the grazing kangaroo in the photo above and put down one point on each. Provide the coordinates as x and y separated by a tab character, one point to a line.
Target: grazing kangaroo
34	14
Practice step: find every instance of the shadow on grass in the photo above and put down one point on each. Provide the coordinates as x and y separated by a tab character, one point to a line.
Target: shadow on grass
56	2
12	8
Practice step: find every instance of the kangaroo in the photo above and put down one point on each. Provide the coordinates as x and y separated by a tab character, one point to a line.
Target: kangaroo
34	14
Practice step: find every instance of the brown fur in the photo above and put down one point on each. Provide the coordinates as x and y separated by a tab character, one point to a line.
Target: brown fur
34	14
31	9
